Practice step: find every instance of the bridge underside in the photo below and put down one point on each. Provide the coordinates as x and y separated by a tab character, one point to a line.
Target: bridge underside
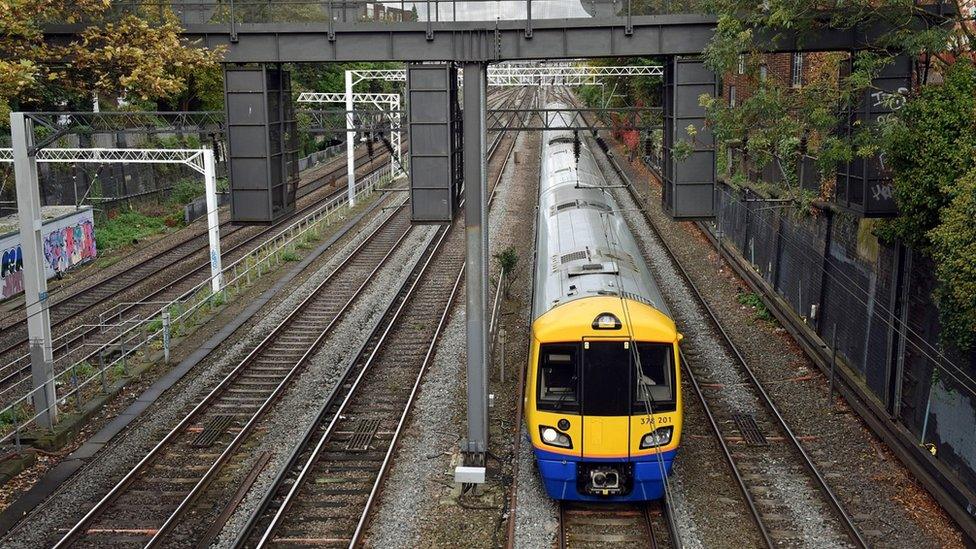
645	35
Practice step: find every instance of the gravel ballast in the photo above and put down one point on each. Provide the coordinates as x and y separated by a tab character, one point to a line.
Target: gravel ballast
85	488
717	365
419	504
889	507
300	405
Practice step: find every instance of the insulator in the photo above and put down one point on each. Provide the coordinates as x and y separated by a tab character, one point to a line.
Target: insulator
576	145
369	146
648	146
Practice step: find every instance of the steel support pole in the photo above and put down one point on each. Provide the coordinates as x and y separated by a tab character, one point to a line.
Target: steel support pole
476	238
350	142
35	279
213	220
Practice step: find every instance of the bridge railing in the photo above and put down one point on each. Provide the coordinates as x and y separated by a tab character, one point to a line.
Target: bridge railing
361	11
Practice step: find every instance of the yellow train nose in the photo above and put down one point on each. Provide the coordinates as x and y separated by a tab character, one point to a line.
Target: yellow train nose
606	436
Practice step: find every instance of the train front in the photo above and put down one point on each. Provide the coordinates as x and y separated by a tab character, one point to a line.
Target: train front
602	410
602	395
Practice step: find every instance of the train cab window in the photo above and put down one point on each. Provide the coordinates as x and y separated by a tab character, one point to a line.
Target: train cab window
655	377
559	377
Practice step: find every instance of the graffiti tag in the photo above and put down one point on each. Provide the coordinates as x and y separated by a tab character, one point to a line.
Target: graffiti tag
68	246
882	191
892	100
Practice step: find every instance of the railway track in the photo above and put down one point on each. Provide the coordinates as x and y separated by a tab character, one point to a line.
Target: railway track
341	463
598	526
140	507
71	305
14	376
765	456
178	473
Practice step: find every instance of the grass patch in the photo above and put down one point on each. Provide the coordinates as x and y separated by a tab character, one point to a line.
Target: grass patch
290	255
752	300
127	228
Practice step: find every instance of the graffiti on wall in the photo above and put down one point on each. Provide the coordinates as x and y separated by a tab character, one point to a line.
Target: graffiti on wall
11	265
69	246
67	242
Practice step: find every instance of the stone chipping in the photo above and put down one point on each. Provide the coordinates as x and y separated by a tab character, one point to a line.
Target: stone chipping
82	492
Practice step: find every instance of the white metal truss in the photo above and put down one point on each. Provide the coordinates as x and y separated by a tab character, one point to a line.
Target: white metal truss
527	75
564	75
190	157
374	98
200	160
386	102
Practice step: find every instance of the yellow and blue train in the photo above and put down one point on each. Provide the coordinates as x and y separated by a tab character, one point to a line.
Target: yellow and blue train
603	390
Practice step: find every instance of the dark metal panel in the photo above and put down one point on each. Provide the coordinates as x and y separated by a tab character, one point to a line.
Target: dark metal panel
262	143
689	183
864	184
432	115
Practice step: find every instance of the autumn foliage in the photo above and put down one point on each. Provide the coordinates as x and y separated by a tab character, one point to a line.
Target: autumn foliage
138	55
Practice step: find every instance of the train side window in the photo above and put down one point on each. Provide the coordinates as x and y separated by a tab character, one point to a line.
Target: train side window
655	377
559	377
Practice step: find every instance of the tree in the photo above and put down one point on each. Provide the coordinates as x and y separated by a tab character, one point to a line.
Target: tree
139	55
778	120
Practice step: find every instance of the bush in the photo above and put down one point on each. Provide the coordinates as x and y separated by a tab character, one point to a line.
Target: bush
930	147
954	252
185	190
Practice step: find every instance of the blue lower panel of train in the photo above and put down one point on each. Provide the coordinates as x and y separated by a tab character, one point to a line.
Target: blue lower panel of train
565	477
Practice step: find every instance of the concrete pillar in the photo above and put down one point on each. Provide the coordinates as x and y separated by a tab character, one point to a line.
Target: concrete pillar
476	239
35	280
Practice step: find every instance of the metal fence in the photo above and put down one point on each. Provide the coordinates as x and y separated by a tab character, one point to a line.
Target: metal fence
147	338
870	302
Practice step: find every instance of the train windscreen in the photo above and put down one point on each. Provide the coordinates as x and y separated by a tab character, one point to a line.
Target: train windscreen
654	377
606	378
606	367
559	377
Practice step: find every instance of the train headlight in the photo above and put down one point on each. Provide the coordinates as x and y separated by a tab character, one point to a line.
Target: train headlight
606	321
552	437
657	437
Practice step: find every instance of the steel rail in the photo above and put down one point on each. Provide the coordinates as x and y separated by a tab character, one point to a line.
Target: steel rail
520	397
367	367
91	290
310	462
727	453
119	488
10	380
638	513
430	353
845	518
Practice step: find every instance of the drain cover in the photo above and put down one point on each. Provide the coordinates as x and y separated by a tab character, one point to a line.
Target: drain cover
746	424
363	435
212	431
